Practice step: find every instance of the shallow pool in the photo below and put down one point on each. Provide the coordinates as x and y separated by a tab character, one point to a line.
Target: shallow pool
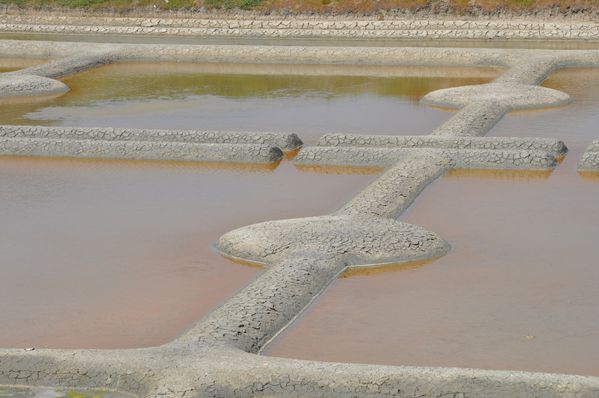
118	254
308	100
518	291
10	64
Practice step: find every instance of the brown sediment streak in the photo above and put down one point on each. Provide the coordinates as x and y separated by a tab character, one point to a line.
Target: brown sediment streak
71	65
493	174
322	169
357	271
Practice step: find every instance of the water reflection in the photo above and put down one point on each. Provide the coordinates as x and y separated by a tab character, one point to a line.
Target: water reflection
367	271
369	170
96	254
304	99
589	176
509	175
518	291
9	64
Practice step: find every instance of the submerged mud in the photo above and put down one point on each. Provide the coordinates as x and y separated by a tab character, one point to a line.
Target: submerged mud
517	291
106	254
216	355
10	64
309	100
101	254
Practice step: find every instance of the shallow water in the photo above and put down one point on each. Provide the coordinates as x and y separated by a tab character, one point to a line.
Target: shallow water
308	100
42	392
10	64
118	254
519	290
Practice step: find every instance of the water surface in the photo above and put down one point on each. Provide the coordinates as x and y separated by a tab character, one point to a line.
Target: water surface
518	291
43	392
308	100
102	254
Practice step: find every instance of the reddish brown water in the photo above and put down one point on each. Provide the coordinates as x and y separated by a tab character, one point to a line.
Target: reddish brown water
520	288
118	254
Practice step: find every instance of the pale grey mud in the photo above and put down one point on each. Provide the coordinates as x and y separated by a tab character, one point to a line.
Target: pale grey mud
519	289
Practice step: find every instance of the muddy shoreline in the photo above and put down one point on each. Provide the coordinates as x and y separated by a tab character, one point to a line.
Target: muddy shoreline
239	24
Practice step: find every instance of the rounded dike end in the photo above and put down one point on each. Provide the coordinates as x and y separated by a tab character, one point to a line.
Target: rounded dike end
15	85
513	96
359	240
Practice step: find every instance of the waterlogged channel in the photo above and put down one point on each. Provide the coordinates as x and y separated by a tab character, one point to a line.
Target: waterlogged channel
518	291
308	100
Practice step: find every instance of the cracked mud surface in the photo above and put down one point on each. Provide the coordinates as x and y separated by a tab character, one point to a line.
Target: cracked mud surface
12	85
303	256
518	96
141	227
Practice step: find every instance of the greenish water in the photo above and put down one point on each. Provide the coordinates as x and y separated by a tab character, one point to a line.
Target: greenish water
10	64
518	290
307	100
43	392
97	254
